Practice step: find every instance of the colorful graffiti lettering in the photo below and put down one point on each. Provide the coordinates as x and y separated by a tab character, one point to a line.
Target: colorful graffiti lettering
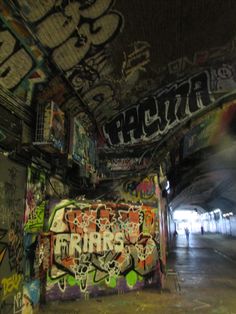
101	242
35	218
145	189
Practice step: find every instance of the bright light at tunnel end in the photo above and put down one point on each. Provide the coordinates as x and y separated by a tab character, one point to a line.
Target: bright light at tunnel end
185	215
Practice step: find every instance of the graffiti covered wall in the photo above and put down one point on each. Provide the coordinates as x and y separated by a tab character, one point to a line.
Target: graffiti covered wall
154	116
12	193
80	38
34	216
22	65
76	36
35	201
98	247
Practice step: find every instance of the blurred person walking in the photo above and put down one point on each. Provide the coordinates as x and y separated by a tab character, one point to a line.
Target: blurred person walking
187	234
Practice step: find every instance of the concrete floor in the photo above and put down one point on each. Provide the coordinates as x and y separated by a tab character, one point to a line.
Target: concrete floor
206	283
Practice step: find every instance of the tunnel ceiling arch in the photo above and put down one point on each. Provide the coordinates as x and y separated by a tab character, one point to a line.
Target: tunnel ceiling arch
134	69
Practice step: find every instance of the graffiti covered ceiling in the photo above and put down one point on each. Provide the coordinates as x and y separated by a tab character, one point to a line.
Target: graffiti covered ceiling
127	68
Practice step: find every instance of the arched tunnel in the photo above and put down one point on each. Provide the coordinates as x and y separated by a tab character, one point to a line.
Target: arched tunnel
117	156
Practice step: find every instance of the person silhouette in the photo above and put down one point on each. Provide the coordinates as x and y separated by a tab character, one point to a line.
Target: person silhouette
187	234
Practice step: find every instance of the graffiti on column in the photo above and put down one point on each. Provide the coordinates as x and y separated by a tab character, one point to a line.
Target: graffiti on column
14	247
35	200
31	295
82	148
11	234
11	238
33	227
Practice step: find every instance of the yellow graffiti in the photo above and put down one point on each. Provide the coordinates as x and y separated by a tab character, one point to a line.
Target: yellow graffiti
11	283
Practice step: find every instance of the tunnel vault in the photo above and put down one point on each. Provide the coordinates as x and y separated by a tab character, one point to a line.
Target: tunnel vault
78	66
131	104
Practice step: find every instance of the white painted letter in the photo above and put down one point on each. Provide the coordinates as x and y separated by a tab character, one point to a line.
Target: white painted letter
107	241
119	242
94	240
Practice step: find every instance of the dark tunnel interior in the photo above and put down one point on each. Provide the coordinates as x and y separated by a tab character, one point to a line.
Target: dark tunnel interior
117	156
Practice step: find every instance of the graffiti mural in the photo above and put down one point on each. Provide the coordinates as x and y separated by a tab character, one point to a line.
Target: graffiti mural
97	246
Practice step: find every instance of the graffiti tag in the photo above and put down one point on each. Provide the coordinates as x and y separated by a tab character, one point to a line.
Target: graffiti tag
156	115
11	283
